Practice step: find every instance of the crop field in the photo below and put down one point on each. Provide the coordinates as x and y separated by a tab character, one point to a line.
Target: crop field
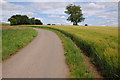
15	39
99	43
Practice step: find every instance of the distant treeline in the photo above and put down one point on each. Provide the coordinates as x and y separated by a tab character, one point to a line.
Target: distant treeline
23	20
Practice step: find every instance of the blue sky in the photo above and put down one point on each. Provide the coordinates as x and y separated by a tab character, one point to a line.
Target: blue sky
95	13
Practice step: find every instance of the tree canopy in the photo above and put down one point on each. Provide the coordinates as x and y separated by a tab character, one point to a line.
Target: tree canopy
23	20
75	14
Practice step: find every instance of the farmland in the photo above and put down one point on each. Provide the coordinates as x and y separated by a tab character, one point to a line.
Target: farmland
15	39
59	39
99	43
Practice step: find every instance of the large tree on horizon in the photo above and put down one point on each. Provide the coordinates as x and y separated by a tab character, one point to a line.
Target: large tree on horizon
75	14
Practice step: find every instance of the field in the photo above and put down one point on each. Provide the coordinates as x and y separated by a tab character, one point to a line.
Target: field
4	24
99	43
15	39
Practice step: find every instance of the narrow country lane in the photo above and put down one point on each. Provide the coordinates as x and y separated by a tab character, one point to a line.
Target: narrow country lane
42	58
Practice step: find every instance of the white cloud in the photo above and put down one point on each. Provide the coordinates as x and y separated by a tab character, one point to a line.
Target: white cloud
9	9
48	7
7	14
62	0
101	10
90	9
57	16
2	1
39	19
53	16
56	10
6	6
62	17
94	5
108	15
30	14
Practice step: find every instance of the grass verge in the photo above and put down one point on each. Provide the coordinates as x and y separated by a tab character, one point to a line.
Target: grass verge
13	40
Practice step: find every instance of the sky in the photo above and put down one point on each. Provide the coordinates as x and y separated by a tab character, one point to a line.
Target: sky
96	13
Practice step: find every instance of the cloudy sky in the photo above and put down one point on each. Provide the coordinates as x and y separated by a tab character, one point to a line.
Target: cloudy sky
97	13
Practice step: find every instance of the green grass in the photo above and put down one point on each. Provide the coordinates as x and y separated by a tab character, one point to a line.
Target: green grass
0	45
100	44
13	40
74	58
4	24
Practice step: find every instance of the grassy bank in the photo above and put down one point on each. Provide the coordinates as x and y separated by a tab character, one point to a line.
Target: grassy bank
100	44
13	40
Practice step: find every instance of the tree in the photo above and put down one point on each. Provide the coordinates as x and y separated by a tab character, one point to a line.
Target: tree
86	24
32	21
48	24
75	14
19	20
23	20
13	21
38	22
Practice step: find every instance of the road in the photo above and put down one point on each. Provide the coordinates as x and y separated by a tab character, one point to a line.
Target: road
42	58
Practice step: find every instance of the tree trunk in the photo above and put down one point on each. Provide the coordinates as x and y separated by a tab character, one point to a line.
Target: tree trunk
75	23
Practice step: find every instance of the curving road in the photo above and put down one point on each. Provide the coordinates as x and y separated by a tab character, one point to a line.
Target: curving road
42	58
